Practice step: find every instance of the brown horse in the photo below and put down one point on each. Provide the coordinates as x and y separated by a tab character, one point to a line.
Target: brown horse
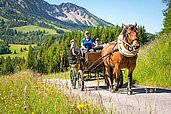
127	46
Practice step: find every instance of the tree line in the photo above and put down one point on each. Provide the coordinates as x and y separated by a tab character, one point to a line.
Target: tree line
10	65
167	19
10	35
4	48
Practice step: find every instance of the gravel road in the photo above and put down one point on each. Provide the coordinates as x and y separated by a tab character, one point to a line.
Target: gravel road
145	100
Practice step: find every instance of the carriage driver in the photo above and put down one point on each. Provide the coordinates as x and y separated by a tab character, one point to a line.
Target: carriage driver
74	50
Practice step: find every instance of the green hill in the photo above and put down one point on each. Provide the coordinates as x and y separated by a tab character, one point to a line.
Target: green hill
3	18
30	28
154	63
17	47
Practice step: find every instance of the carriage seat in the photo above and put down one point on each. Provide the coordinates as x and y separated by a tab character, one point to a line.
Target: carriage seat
98	48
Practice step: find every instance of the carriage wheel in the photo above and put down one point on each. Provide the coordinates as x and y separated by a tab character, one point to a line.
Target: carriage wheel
120	79
73	78
80	80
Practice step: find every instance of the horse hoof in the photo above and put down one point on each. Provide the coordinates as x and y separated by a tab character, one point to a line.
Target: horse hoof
112	91
130	92
116	89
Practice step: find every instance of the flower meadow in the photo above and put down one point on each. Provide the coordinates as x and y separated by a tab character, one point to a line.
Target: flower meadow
26	93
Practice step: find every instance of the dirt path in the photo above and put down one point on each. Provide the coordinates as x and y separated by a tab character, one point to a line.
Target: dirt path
146	100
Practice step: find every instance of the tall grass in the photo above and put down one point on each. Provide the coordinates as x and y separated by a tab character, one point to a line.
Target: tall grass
60	75
154	63
25	92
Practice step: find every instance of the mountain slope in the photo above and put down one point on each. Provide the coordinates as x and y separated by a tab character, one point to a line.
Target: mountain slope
64	15
79	15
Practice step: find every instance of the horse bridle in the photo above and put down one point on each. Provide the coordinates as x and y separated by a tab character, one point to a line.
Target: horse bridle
129	44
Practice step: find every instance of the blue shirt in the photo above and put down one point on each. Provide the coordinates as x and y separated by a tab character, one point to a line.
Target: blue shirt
87	44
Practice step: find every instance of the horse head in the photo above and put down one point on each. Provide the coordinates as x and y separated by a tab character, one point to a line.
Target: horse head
130	35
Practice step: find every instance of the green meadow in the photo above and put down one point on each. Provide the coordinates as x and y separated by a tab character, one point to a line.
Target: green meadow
17	47
3	18
26	93
30	28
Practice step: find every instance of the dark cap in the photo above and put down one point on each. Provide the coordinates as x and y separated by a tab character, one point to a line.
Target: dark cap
97	39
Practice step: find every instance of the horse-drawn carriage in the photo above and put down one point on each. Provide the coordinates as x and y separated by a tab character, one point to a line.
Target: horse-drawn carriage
88	68
108	63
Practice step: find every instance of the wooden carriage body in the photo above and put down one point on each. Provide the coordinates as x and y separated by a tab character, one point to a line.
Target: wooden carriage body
93	59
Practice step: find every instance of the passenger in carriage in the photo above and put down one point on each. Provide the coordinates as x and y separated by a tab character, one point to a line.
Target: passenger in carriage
87	42
97	42
97	47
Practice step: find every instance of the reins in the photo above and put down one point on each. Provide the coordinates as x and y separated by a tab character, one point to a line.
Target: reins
107	55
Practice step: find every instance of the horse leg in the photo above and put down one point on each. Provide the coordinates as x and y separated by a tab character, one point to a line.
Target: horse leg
129	87
97	78
108	77
116	74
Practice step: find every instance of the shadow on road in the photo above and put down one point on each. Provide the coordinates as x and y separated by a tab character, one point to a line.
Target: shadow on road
136	89
140	90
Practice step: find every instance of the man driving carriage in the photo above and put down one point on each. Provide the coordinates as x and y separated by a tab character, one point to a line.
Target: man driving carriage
74	50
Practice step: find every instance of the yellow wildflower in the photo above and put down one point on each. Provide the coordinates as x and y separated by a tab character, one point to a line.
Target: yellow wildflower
16	105
82	105
3	98
10	87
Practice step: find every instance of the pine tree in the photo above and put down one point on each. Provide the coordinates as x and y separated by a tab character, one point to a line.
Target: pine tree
167	19
15	52
8	66
21	49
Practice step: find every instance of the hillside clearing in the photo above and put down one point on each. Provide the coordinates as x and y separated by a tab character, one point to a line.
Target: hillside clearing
17	47
30	28
3	18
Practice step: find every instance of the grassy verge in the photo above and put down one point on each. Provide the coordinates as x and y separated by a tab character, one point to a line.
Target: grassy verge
61	75
29	28
154	63
17	47
26	93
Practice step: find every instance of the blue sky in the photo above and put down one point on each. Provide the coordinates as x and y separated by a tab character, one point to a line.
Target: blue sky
145	12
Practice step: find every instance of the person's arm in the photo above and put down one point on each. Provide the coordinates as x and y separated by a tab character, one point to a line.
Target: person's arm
73	51
93	42
82	46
